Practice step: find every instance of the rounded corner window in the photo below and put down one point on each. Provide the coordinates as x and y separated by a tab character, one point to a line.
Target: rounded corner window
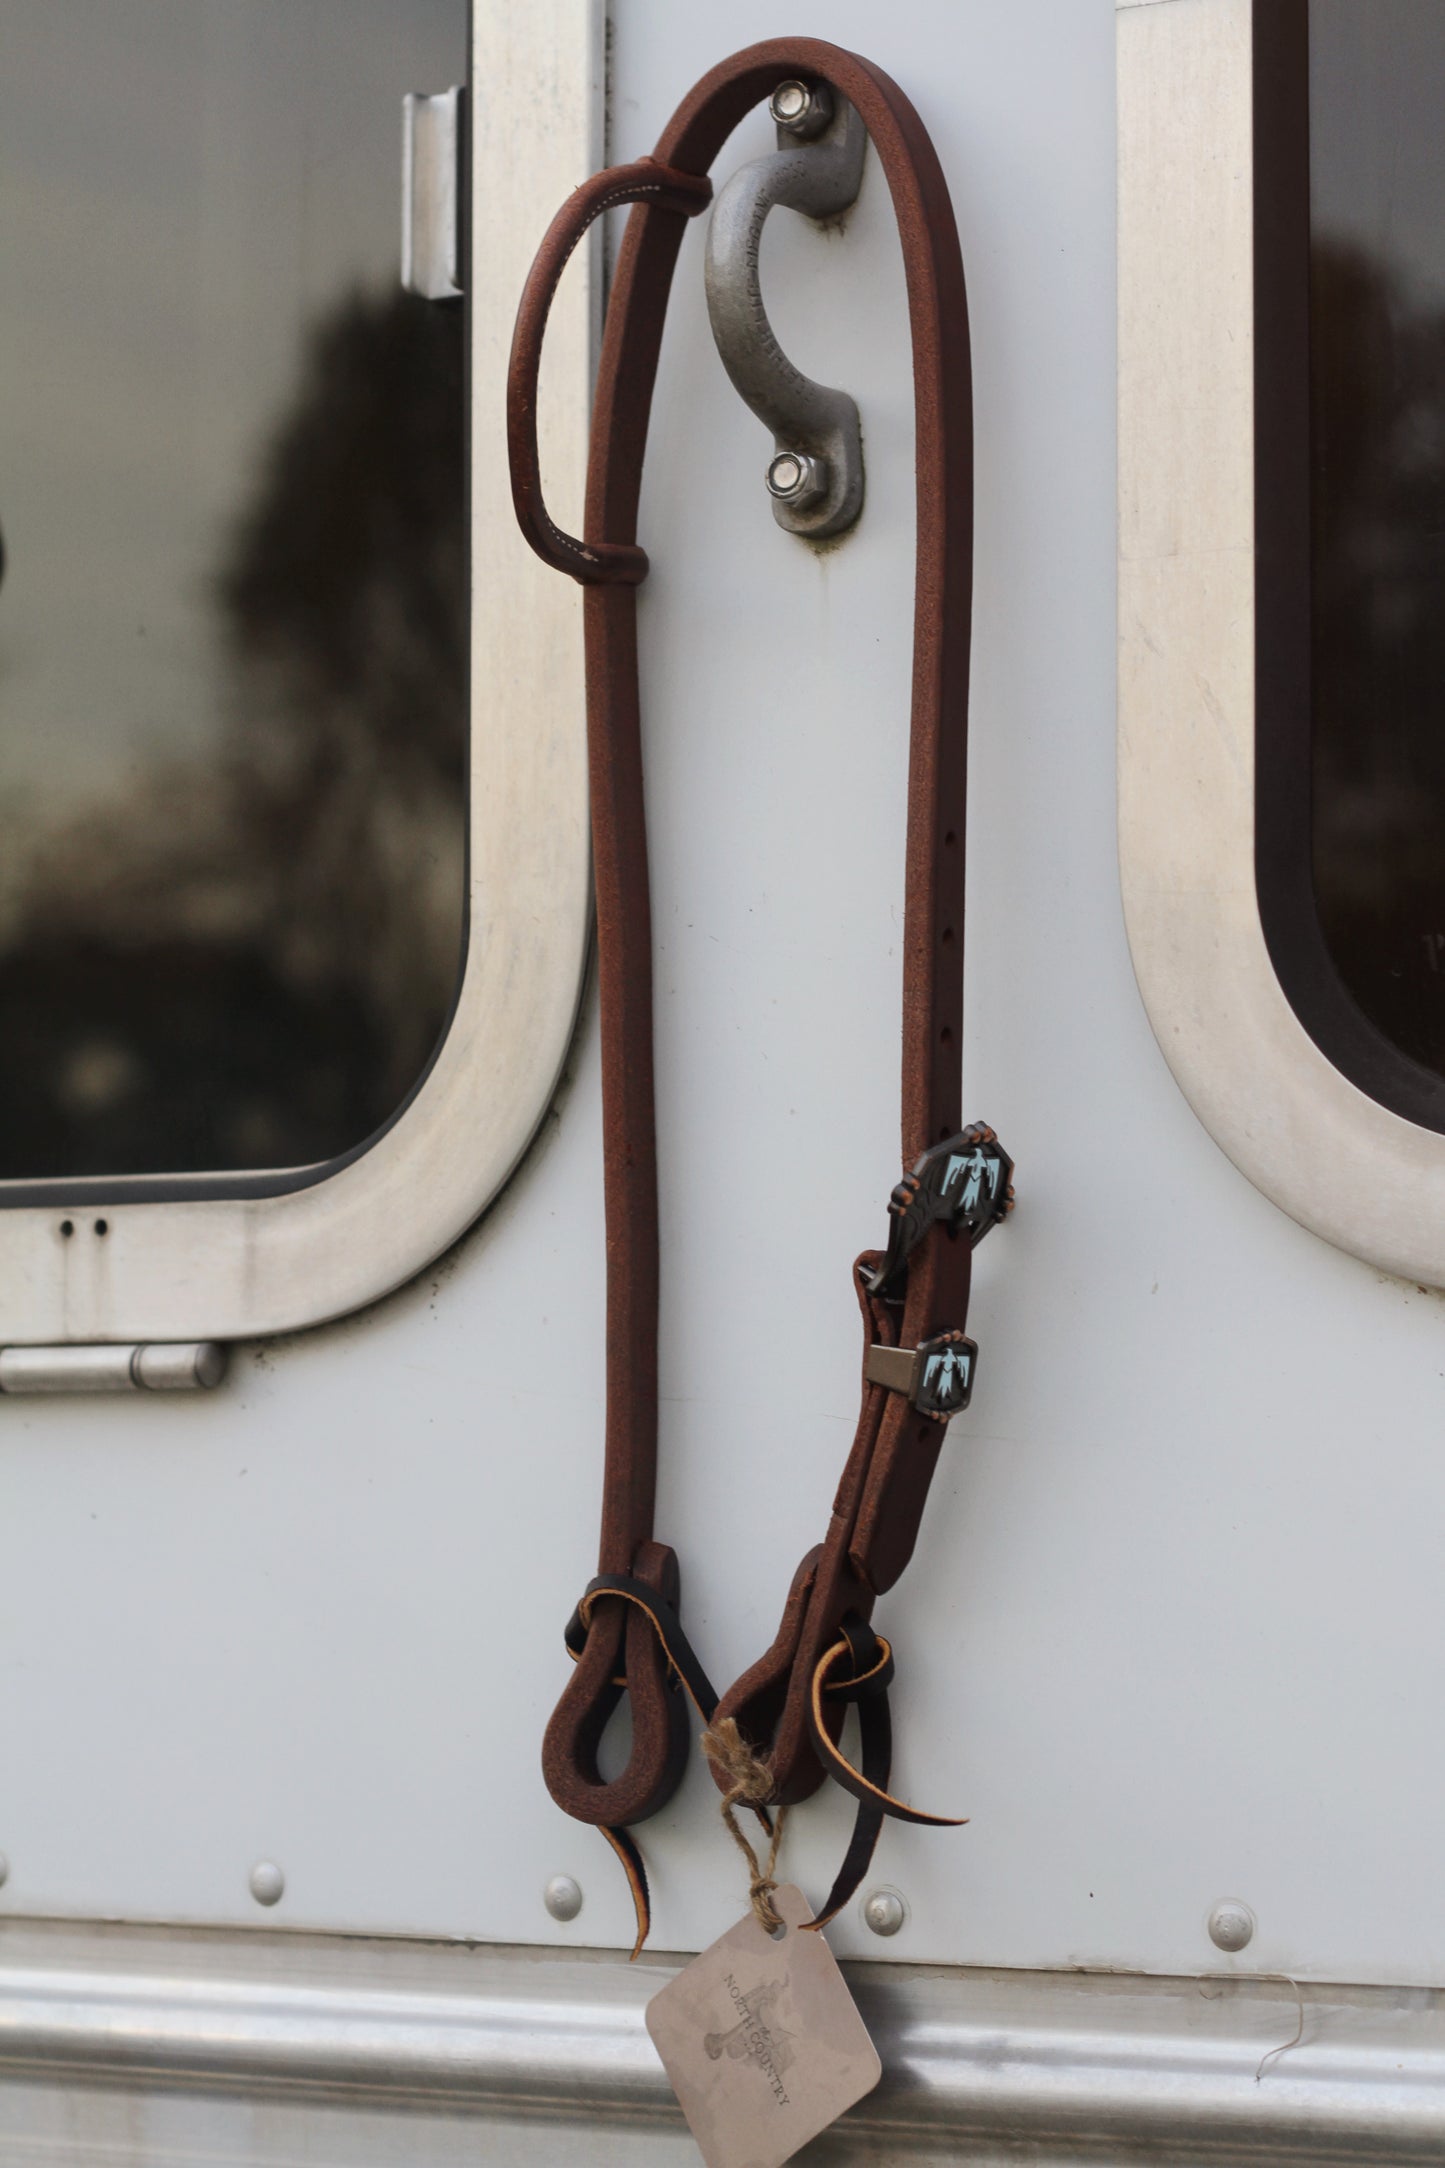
251	597
1281	653
234	615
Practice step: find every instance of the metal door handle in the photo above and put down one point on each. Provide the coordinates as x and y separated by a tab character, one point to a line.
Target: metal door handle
816	475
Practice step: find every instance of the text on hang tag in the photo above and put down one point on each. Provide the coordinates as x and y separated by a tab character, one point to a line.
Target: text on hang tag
762	2040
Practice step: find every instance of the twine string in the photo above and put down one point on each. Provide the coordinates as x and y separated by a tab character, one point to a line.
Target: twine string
750	1784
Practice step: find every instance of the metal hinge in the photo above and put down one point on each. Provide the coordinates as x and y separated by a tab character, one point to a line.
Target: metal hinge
151	1367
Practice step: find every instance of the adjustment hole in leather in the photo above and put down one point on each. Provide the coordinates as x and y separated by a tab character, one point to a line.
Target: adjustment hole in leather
949	840
946	937
945	1037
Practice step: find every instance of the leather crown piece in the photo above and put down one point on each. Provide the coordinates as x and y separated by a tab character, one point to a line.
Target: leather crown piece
626	1635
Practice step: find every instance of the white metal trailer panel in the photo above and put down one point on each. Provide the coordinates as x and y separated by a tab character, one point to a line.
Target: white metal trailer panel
1175	1630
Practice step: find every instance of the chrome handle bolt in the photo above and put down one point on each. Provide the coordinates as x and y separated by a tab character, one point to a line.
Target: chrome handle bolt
797	479
801	109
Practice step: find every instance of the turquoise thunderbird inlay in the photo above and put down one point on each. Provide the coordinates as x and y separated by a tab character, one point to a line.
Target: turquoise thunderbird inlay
946	1377
943	1375
971	1179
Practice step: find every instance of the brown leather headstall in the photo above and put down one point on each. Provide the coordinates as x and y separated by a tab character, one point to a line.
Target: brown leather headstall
918	1366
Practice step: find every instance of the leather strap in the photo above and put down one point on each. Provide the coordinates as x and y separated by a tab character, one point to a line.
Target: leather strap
791	1704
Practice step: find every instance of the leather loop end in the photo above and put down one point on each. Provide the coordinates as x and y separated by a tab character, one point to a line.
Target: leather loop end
656	186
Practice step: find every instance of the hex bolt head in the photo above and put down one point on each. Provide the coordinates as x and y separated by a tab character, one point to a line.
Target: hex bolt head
563	1897
267	1882
797	479
1231	1925
884	1911
801	109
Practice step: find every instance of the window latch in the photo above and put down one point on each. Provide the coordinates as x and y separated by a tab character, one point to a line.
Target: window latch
431	194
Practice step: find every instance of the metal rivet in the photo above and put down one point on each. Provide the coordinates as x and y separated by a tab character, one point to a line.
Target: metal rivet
1231	1925
801	109
267	1882
563	1897
797	479
4	1870
884	1911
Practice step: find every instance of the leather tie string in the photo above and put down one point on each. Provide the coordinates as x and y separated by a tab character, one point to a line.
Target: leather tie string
787	1711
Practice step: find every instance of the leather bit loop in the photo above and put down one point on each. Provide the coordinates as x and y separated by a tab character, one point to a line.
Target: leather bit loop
685	1674
964	1185
936	1377
866	1683
627	1646
682	1659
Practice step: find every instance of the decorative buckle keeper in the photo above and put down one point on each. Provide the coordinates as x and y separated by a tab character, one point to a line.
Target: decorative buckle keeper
964	1184
936	1376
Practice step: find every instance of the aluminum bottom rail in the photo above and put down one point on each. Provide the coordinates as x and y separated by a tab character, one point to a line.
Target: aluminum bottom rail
170	2047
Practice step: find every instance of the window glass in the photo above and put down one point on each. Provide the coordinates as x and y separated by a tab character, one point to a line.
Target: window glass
234	611
1377	507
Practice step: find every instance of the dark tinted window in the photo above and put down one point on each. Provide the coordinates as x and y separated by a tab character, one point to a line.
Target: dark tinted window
1377	441
233	622
1350	523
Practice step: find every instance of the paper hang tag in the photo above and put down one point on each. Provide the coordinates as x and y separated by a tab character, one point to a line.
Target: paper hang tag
762	2041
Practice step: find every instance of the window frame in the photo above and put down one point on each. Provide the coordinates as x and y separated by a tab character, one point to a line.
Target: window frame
1193	673
236	1255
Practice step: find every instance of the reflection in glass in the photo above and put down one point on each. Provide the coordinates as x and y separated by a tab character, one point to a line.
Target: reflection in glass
1377	446
233	623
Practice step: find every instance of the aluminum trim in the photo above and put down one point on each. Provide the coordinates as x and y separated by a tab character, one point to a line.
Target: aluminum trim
1071	2066
231	1268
